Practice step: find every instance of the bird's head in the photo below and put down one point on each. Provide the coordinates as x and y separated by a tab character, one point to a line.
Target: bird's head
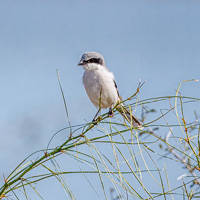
92	61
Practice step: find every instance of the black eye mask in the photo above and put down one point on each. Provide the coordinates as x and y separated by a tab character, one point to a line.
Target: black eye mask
95	60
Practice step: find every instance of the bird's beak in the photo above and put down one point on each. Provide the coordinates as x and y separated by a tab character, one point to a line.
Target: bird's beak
80	63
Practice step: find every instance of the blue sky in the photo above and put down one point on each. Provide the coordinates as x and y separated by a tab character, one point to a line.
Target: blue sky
149	40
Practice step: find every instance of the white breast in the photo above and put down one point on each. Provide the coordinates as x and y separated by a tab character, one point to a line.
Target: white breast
100	81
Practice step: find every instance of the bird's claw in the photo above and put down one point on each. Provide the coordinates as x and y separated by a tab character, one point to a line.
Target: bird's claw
97	120
110	113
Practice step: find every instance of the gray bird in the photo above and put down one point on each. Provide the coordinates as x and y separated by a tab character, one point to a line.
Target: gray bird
101	87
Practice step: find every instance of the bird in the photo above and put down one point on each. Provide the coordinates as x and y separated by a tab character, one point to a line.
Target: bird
101	87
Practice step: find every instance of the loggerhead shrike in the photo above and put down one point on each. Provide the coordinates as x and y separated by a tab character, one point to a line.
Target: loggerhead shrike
101	87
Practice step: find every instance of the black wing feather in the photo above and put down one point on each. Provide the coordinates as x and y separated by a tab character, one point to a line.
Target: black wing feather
117	89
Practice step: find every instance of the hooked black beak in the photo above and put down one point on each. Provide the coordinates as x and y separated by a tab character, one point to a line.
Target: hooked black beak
81	63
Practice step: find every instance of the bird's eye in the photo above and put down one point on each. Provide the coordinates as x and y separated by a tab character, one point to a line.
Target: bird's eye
94	60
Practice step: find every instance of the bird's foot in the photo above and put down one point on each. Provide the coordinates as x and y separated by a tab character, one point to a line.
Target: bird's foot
110	113
96	120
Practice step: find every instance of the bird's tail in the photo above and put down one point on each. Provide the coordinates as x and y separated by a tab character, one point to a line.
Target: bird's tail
129	117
